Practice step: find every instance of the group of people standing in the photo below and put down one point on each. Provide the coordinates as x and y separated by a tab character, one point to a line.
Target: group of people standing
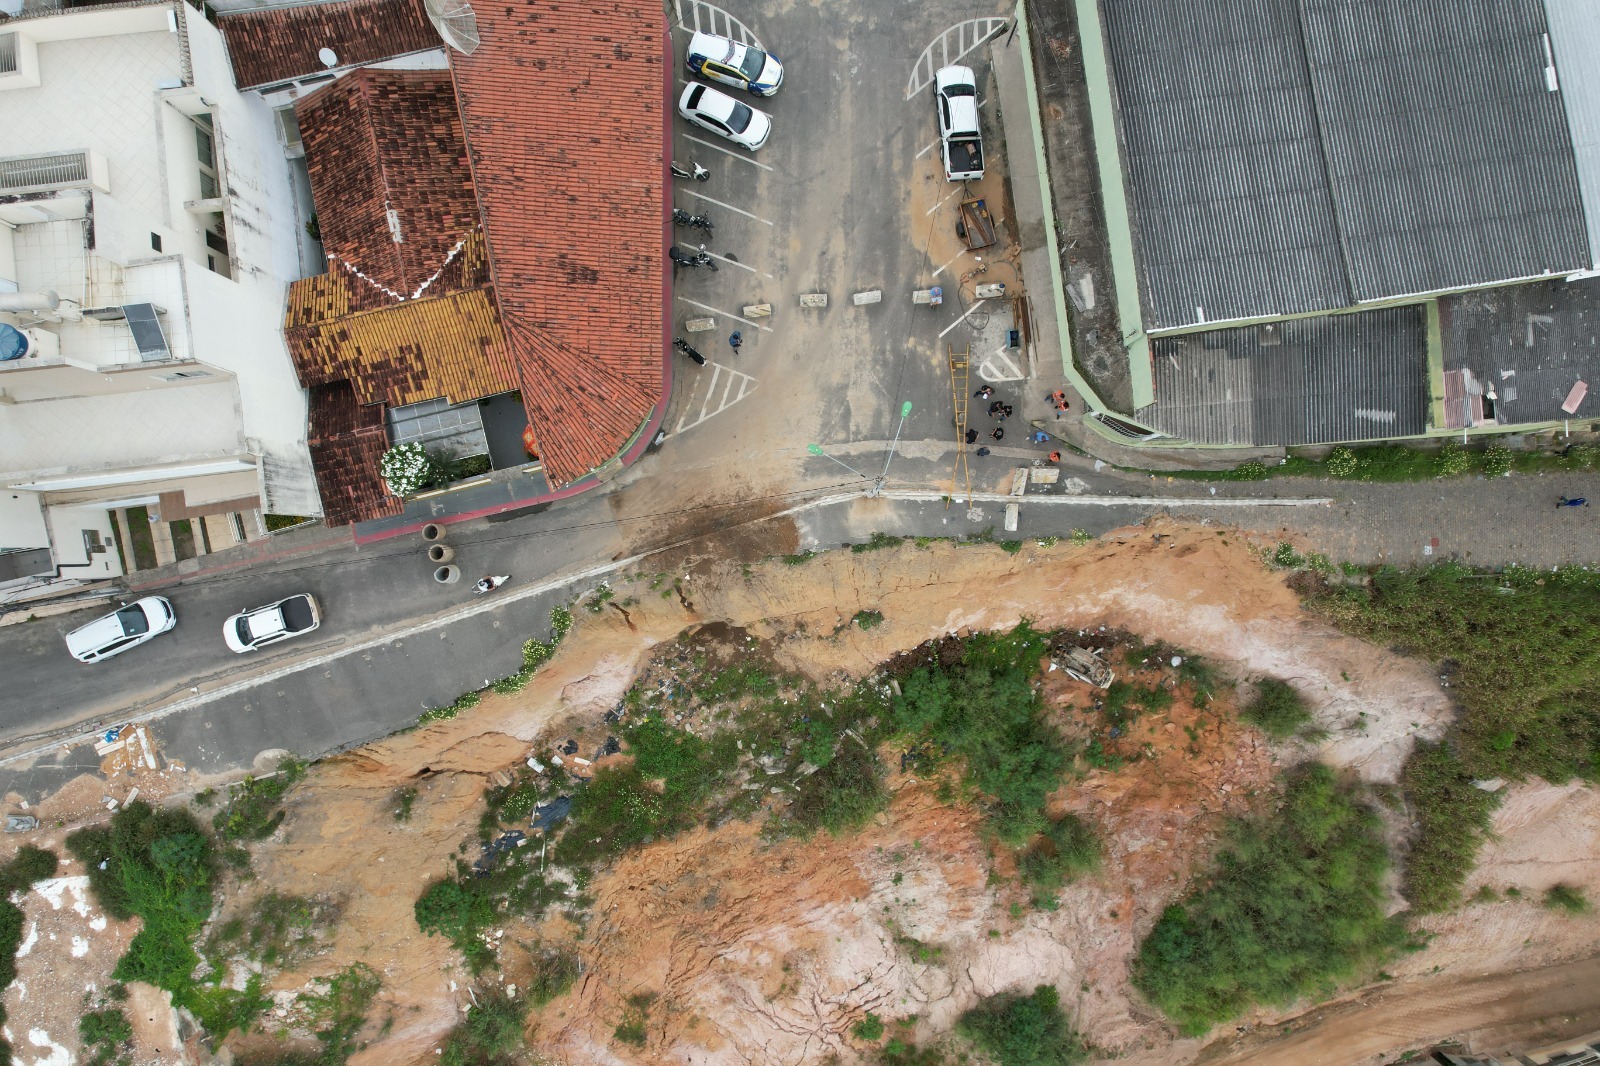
999	410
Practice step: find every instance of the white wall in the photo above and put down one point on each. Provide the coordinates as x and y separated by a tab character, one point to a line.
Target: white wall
66	528
22	521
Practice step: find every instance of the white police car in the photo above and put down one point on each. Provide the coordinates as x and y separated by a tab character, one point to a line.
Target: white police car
735	64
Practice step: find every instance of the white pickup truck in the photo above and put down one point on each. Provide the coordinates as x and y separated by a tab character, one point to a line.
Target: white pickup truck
955	92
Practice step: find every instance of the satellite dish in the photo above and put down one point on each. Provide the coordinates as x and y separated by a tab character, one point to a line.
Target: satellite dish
455	22
329	57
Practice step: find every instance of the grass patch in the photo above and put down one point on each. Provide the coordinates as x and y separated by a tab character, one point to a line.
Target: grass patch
869	1028
404	800
554	972
1024	1030
467	907
490	1035
1066	850
1521	650
1276	709
1567	898
877	541
277	522
631	1030
1399	463
275	930
106	1034
29	865
1294	905
182	539
868	619
143	541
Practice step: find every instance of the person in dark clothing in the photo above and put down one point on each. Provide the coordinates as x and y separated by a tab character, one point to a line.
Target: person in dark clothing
985	392
1007	410
972	436
1577	502
996	407
998	434
983	451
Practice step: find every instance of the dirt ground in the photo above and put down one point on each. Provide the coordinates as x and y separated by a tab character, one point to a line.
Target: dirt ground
767	953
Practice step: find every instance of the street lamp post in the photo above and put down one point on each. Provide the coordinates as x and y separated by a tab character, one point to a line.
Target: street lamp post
878	482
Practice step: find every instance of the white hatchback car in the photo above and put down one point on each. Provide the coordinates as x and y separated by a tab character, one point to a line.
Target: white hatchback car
127	626
720	113
256	628
731	63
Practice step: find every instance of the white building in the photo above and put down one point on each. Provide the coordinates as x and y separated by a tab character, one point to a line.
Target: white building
148	227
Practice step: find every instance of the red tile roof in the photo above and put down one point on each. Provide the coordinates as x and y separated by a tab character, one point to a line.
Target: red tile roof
347	438
283	43
389	175
563	106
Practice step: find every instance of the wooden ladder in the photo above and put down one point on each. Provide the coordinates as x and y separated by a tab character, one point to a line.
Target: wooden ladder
961	478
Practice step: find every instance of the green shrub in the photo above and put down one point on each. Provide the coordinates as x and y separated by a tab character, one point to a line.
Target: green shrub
1342	463
868	619
1251	470
1566	898
1018	1030
869	1028
1452	461
491	1034
554	972
631	1030
1452	820
27	867
104	1033
843	795
1294	905
338	1014
984	709
878	540
253	811
1287	557
1277	709
1067	849
1496	461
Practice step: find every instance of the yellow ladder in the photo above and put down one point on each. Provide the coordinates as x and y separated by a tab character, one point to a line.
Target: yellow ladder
961	480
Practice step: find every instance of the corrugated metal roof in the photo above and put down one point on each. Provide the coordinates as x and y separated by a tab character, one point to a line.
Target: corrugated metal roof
1232	213
1313	380
1529	343
1448	153
1298	155
1575	38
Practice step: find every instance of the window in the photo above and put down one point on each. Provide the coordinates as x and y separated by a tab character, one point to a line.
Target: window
155	242
206	153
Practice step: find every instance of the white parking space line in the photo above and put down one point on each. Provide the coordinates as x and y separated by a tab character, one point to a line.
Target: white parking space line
930	147
743	157
1007	370
942	269
941	203
725	314
966	37
735	386
730	207
963	317
698	16
732	262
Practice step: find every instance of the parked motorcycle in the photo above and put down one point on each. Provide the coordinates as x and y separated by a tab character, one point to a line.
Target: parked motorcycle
680	217
699	173
684	347
700	259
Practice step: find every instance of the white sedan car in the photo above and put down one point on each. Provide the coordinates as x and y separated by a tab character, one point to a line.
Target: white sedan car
720	113
292	617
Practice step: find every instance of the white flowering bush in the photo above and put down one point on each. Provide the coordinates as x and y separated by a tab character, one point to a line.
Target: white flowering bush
406	468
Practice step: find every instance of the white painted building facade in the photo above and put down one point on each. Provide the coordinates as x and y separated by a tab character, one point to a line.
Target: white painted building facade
148	228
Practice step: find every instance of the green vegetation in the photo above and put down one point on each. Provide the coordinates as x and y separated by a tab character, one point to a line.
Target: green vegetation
982	708
1276	709
1397	462
182	539
1566	898
144	543
106	1034
1521	650
29	865
1018	1030
276	522
554	972
868	619
253	811
1066	850
464	908
878	540
159	865
535	653
491	1034
1294	905
869	1028
1453	820
404	799
281	929
631	1030
338	1014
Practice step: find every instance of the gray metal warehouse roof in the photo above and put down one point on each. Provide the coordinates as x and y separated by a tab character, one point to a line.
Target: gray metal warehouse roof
1286	156
1575	38
1317	380
1530	343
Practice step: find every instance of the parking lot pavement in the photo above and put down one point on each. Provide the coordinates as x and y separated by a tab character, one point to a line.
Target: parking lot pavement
847	197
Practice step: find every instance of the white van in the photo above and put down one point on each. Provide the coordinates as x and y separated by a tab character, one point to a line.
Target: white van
131	624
